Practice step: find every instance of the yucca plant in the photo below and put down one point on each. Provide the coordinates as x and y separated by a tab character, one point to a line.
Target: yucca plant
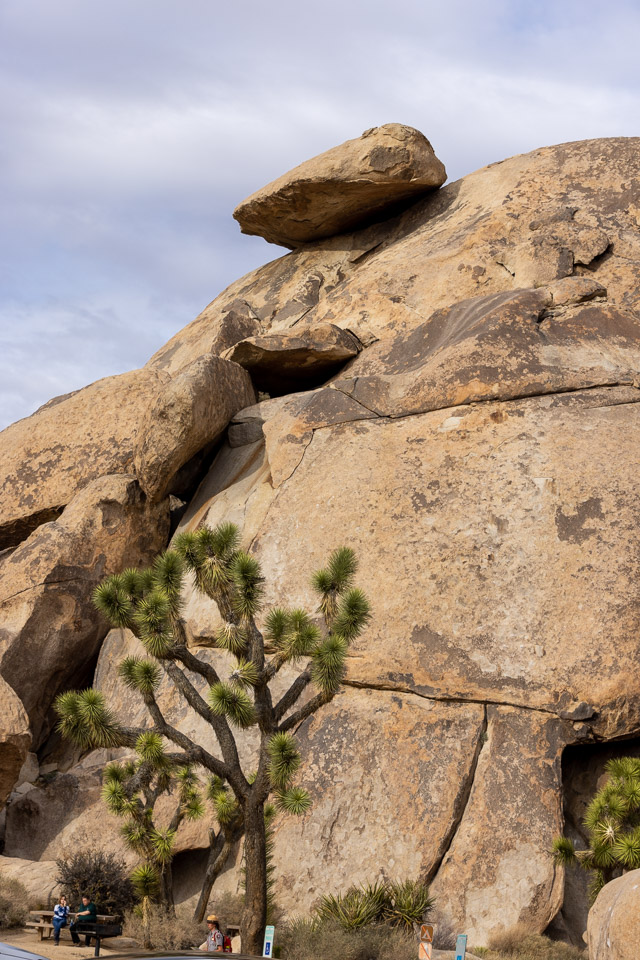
357	907
408	903
612	825
149	603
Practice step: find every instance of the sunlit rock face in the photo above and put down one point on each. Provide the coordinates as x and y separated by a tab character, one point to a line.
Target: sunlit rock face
475	441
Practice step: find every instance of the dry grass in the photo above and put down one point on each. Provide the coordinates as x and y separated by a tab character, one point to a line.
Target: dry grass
325	940
518	943
14	903
167	933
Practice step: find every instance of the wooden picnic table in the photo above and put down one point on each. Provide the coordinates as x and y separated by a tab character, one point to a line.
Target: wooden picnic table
40	920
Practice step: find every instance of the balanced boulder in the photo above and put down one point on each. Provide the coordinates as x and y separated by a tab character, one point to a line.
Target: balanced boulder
356	182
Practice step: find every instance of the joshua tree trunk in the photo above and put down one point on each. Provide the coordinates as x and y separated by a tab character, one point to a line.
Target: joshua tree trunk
166	889
254	916
219	851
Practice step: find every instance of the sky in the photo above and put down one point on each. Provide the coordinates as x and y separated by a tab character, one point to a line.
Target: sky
132	128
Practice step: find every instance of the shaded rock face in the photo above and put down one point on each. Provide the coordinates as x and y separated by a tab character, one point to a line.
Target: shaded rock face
478	451
614	920
338	190
50	633
15	739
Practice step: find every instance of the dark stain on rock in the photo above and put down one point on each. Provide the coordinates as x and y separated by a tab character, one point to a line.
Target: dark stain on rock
571	526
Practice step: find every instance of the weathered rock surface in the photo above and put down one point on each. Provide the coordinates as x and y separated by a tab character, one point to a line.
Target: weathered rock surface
38	877
498	872
15	739
50	632
366	813
614	920
499	347
295	359
338	190
189	415
47	457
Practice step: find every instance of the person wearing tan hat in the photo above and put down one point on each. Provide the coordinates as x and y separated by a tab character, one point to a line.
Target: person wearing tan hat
215	941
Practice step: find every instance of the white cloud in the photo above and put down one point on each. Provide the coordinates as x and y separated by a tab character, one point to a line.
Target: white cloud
130	131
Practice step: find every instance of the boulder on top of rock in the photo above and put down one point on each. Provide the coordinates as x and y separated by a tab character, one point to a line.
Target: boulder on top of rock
188	417
344	187
296	359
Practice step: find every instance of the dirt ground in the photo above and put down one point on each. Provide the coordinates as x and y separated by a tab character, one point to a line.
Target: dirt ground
28	940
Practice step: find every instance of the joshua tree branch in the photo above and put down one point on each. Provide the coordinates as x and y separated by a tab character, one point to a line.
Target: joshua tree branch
310	707
293	694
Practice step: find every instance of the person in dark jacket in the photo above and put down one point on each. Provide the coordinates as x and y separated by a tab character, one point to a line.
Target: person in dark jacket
86	913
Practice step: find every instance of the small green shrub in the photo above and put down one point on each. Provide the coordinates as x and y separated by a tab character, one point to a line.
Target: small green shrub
316	939
14	903
104	877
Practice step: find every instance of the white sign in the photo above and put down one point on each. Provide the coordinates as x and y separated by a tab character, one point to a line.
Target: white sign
267	950
461	946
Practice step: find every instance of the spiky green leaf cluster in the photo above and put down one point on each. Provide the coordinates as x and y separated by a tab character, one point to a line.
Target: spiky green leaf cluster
85	719
328	663
612	824
146	881
140	674
209	554
334	579
248	585
284	760
294	800
231	701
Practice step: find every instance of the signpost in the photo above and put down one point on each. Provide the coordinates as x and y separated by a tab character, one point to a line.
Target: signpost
267	950
426	941
461	946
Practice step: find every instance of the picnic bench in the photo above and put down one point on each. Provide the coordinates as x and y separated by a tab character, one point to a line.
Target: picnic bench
104	927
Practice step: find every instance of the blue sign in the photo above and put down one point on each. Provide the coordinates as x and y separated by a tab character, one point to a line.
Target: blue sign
461	946
267	950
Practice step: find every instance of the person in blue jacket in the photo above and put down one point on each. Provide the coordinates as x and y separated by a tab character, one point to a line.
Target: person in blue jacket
60	914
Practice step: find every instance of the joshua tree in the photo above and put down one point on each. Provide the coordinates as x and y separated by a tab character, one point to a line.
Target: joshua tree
131	791
612	823
149	603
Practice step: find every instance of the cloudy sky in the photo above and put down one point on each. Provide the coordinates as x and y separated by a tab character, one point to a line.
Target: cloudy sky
132	128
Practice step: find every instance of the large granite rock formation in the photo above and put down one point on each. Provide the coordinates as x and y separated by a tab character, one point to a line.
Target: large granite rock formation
477	449
336	191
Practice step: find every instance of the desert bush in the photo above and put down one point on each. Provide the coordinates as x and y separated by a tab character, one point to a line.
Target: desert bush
518	943
166	932
14	902
396	904
407	903
102	876
316	939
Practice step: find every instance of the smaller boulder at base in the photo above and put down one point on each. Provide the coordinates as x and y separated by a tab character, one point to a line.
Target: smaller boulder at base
613	929
343	188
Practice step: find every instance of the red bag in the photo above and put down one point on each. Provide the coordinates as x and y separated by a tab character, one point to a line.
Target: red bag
226	944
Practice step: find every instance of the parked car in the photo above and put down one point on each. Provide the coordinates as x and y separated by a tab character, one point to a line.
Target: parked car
17	953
